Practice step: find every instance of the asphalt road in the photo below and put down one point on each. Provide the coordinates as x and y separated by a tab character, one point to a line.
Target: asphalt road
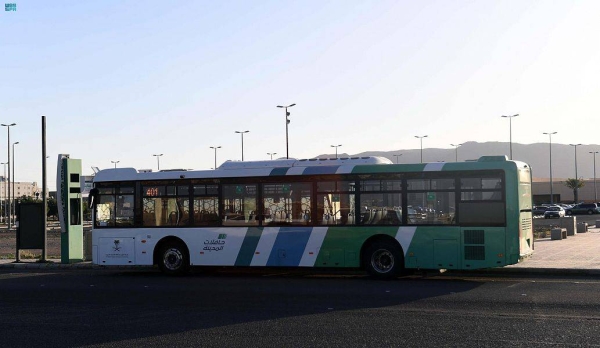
67	308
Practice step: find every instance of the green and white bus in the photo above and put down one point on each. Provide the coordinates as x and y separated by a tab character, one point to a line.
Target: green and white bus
349	212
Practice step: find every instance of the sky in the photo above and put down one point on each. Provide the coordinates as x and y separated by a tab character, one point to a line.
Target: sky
125	80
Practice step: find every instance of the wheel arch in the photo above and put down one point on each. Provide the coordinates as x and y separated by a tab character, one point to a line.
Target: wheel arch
383	238
162	242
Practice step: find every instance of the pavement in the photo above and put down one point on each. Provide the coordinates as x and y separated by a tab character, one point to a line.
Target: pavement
576	255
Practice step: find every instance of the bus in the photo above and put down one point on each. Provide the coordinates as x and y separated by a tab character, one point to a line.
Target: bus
359	212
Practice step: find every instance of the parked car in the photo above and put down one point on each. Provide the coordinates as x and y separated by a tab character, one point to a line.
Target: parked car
554	212
539	210
584	208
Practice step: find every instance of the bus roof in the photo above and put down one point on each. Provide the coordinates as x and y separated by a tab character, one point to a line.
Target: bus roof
313	166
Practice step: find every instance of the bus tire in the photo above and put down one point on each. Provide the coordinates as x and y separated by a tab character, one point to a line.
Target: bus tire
383	260
173	258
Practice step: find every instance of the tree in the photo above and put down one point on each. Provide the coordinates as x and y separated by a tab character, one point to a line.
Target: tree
575	185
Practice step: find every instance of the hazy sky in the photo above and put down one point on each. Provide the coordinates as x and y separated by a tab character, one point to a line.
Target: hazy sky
123	80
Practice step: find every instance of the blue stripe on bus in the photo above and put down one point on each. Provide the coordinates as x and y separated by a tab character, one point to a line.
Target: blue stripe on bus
289	246
278	171
320	170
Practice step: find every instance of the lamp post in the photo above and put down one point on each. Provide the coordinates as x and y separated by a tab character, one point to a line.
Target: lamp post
158	160
115	162
287	121
336	146
271	154
242	133
456	151
595	191
397	156
510	117
420	137
5	205
215	148
13	208
576	197
8	150
551	186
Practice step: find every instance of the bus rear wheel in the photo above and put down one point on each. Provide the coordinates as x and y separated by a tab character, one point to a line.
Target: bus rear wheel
383	260
174	258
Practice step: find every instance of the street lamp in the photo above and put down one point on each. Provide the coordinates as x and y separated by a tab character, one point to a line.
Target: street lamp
287	121
397	157
4	215
456	151
215	147
158	160
115	162
551	186
510	117
336	146
8	150
576	197
14	208
595	191
271	153
242	133
420	137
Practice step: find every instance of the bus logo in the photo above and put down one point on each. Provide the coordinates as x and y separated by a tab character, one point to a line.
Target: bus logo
222	236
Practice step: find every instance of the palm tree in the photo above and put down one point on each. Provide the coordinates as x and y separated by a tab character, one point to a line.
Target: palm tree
575	185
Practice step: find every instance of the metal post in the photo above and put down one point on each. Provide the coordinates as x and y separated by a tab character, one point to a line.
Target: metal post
242	134
158	160
44	200
551	186
336	147
576	196
421	138
215	147
595	191
456	151
271	153
510	130
287	121
8	182
14	208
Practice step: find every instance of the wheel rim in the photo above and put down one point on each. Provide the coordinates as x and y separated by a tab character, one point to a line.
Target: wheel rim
173	259
382	261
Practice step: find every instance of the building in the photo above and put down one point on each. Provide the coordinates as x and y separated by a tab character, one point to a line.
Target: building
562	194
18	189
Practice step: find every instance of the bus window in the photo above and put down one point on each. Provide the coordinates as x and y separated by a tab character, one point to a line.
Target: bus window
206	205
287	203
239	205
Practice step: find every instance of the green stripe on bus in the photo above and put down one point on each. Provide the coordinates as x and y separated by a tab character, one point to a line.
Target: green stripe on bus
248	246
341	246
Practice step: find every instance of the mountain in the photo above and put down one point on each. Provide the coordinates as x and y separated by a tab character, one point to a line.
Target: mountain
536	155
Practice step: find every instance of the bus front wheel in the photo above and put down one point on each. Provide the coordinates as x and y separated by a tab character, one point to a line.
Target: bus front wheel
383	260
174	258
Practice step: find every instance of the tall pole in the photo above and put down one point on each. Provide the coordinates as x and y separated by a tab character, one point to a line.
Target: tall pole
8	182
287	121
4	202
551	186
420	137
14	208
215	148
336	146
456	151
157	161
397	156
115	162
242	134
44	199
595	191
271	153
510	117
576	196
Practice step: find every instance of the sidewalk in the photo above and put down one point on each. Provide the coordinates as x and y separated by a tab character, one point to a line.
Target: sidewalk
576	255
